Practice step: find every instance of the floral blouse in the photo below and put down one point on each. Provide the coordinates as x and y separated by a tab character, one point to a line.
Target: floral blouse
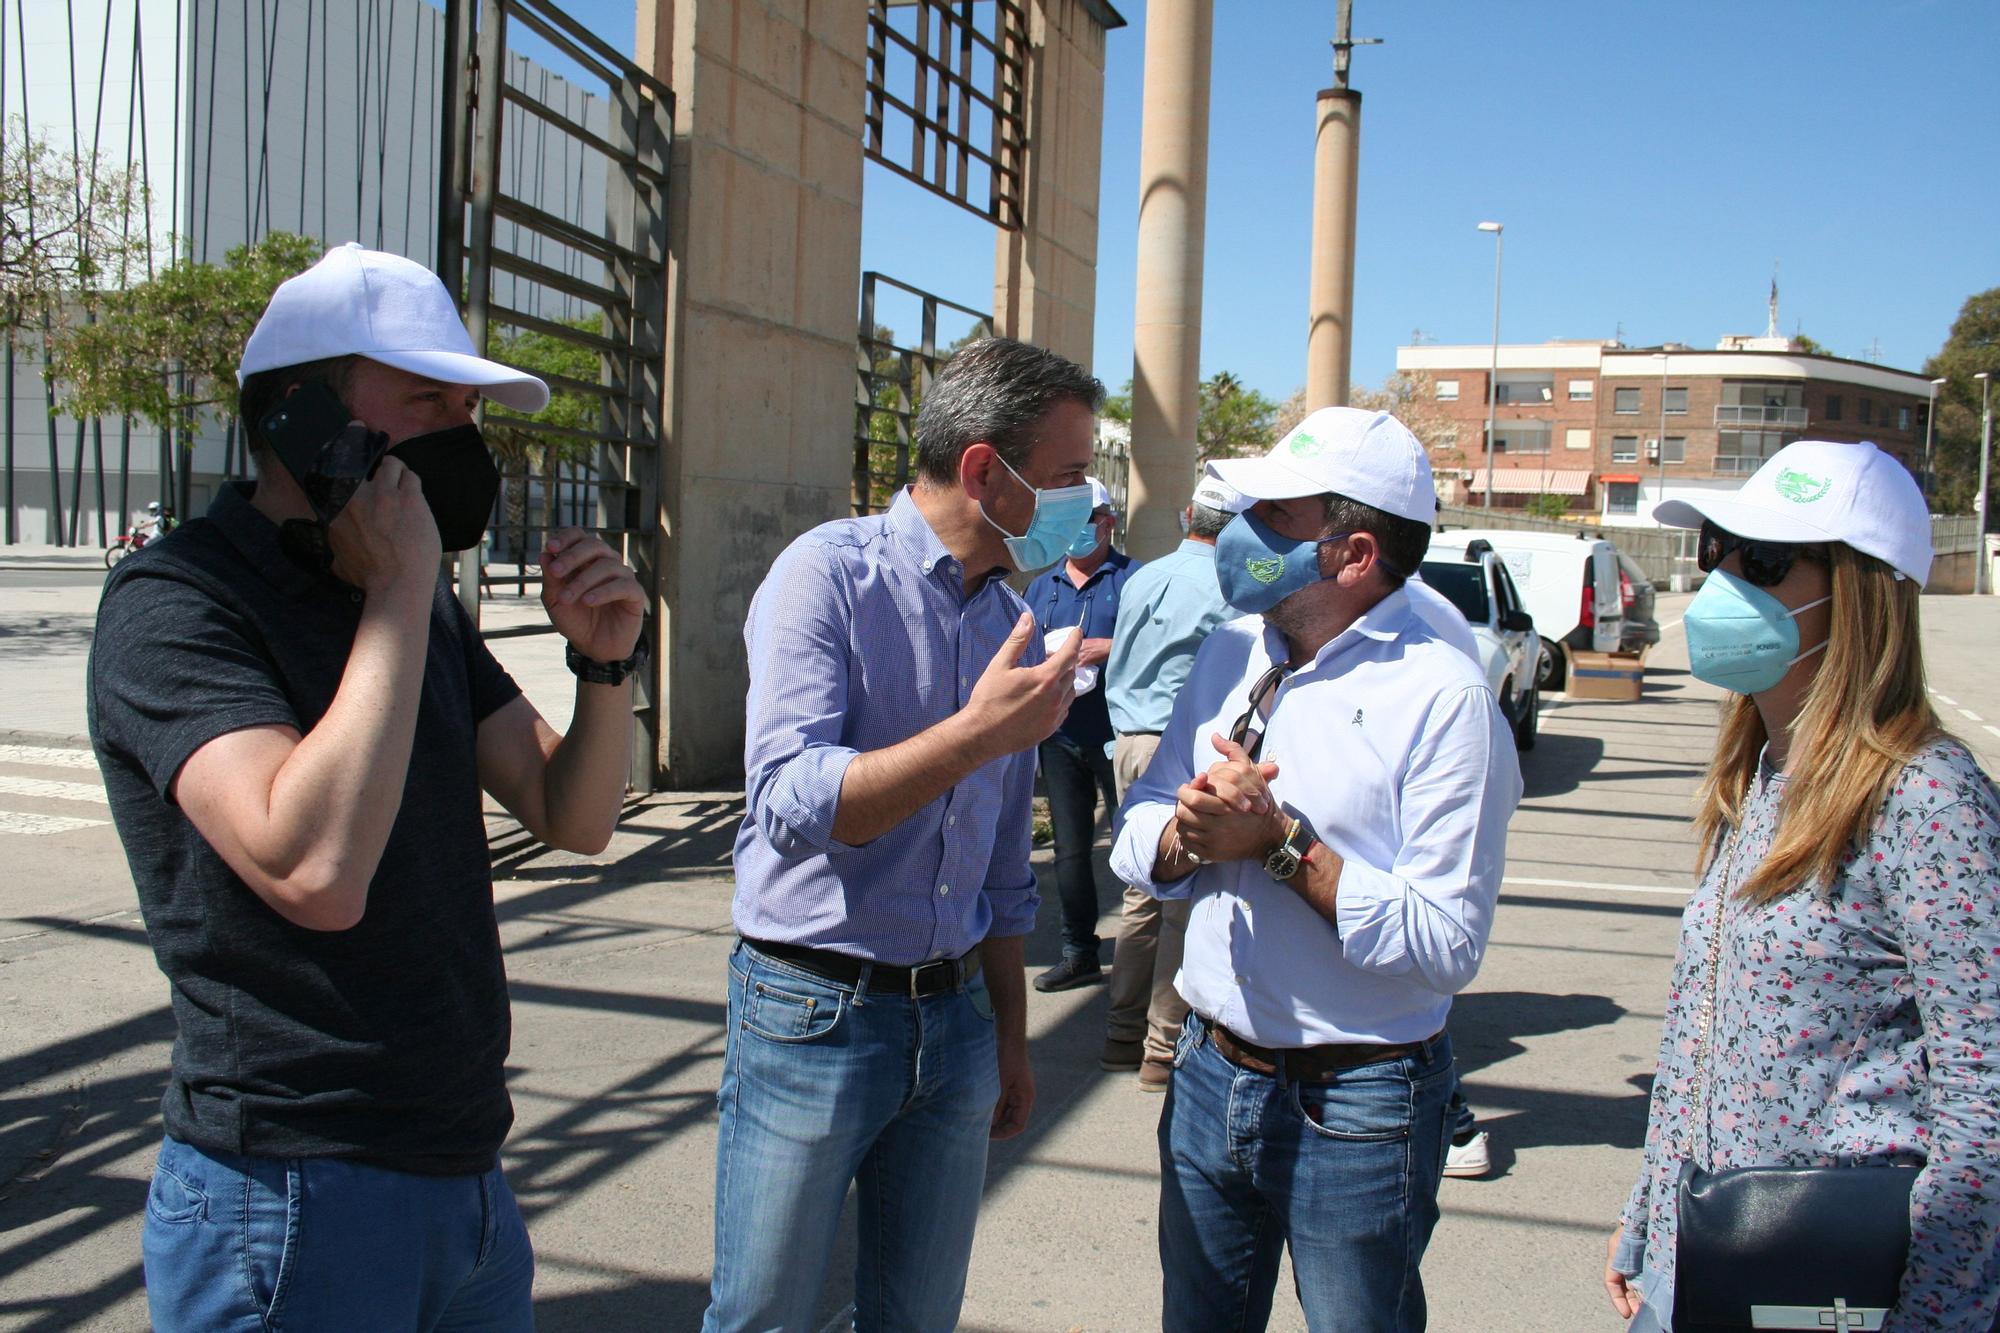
1861	1024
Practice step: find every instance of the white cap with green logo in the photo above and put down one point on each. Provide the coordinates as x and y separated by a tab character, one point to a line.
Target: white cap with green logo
1820	491
1365	456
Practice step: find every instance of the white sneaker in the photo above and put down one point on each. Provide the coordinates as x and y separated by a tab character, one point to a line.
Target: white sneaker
1469	1158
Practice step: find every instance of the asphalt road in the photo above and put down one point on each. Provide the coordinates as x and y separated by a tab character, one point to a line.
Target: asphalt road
616	966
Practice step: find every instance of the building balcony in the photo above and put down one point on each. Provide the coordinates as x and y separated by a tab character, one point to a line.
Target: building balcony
1728	466
1774	418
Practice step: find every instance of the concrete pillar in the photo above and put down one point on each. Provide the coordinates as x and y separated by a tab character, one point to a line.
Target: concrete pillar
764	262
1166	333
1336	167
1045	272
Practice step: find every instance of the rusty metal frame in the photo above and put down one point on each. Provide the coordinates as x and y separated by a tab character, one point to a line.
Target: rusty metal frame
889	384
626	471
940	103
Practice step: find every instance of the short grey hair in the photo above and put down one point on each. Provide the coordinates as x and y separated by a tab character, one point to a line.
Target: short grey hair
1206	522
996	390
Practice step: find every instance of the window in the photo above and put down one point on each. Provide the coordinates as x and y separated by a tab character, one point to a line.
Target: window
1576	438
1522	437
1762	403
1519	387
1833	407
1447	391
1867	411
1581	391
1624	448
1740	452
1447	438
1902	418
1677	447
1625	402
1621	497
1677	402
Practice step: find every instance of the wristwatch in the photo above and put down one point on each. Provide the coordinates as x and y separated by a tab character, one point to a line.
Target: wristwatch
604	673
1290	853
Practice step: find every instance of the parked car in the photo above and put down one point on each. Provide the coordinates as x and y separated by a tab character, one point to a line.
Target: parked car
1474	579
1569	586
1636	591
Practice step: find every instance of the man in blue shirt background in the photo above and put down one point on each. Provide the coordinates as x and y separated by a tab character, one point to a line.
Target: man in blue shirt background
1081	594
877	1001
1167	609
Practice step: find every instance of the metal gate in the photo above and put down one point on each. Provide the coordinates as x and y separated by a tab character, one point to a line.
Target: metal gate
548	289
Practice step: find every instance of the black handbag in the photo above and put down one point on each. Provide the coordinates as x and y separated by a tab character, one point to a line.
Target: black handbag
1777	1247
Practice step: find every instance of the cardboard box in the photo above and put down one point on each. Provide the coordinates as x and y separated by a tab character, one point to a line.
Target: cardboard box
1618	676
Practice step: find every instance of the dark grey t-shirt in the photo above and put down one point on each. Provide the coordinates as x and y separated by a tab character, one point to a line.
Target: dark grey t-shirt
384	1043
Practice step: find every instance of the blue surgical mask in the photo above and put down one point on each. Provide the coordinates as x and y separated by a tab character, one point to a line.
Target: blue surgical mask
1085	544
1741	637
1258	568
1059	512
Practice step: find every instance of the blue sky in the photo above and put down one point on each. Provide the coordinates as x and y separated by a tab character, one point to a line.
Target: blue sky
1650	162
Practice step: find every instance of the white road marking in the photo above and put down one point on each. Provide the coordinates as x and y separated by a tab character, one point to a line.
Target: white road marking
53	791
44	756
13	821
1670	624
1971	716
1995	730
1941	698
1593	884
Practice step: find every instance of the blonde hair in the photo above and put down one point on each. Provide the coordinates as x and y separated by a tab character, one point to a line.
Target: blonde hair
1865	715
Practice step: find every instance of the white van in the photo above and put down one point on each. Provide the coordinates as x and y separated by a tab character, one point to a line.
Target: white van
1570	588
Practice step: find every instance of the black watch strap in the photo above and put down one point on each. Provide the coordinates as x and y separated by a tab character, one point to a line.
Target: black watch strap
604	673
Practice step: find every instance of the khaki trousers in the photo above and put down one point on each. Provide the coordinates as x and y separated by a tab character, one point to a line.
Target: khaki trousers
1144	1004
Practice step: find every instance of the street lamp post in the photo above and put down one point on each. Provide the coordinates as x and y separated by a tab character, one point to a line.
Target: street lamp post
1930	420
1661	443
1979	579
1493	374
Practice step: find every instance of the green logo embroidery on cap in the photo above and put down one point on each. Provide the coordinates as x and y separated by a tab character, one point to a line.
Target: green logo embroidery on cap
1305	446
1266	571
1802	487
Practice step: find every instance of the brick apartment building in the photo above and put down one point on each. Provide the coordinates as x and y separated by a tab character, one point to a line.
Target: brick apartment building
1587	420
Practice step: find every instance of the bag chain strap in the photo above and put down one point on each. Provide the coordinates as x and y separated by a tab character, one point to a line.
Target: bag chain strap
1701	1071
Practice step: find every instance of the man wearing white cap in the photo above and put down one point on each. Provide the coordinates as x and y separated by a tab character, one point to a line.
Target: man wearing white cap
296	721
1332	792
1167	609
1080	595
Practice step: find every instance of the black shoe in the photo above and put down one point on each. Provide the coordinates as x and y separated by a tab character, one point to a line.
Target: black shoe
1069	974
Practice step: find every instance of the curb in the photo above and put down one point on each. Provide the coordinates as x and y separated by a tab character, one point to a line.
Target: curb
48	738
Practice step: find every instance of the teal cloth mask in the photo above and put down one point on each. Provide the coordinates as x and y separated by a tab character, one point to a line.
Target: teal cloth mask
1059	512
1742	638
1258	568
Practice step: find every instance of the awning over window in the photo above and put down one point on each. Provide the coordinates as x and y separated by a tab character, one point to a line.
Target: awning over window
1530	481
1632	478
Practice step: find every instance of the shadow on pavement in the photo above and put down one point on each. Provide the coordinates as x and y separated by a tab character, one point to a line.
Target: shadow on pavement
1559	763
28	638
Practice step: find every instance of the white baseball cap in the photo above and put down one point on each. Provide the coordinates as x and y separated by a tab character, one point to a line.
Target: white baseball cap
1365	456
1212	492
1819	491
1100	495
357	302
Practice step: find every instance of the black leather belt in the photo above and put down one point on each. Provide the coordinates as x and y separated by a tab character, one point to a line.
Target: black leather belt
945	975
1306	1064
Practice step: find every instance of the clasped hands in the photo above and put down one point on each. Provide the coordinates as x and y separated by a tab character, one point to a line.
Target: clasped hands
1229	812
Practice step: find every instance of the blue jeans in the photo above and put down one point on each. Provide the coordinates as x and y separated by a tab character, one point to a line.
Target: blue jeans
251	1243
1346	1172
824	1085
1076	776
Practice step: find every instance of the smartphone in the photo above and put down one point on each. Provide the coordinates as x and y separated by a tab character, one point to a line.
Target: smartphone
327	452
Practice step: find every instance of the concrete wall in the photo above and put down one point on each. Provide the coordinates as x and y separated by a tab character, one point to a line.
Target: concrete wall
1045	274
765	248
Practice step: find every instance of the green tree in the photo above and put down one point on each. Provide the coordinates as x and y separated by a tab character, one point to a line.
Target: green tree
69	227
1232	421
1973	346
191	318
1810	346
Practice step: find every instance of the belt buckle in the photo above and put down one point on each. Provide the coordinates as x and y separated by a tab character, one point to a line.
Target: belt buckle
917	972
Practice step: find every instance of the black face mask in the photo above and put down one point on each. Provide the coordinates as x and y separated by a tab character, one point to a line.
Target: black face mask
329	455
459	480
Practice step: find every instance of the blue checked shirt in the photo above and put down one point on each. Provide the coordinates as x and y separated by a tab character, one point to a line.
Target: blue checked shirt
860	637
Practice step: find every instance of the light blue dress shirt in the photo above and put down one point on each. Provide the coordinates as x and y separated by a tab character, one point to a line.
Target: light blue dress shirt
1167	608
860	637
1388	743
